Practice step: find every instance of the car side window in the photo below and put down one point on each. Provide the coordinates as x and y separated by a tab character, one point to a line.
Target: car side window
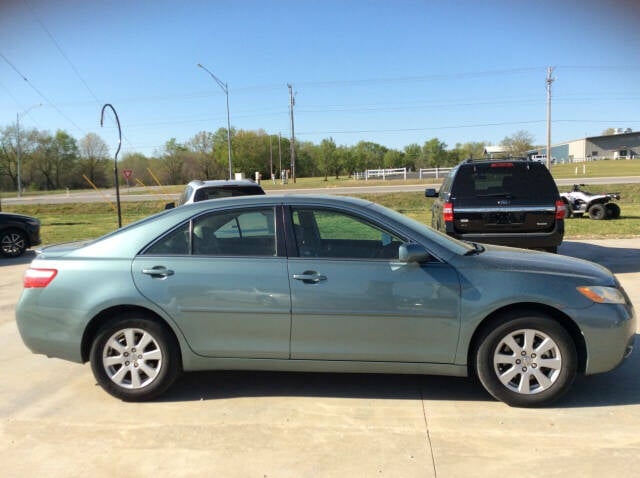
334	234
235	233
174	243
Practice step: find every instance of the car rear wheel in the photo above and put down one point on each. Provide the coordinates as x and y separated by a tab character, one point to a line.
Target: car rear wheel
135	358
597	212
613	210
13	243
527	360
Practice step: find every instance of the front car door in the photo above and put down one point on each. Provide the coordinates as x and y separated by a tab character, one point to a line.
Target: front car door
353	300
223	279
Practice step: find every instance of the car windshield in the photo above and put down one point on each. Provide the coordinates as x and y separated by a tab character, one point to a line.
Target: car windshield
449	243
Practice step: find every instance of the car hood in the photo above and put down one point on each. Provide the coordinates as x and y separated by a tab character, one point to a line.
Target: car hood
543	263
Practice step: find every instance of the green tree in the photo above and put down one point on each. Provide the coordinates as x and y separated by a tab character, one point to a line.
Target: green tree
434	153
329	158
203	145
394	159
518	143
173	161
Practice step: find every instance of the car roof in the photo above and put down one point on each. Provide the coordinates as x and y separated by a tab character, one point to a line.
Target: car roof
197	183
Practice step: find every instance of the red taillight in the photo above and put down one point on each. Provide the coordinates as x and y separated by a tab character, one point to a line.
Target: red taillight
447	212
561	207
38	278
502	165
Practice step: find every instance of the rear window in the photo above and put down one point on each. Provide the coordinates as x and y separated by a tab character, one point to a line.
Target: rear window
203	194
519	180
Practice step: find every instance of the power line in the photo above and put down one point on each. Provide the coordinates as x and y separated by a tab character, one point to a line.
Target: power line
69	62
41	94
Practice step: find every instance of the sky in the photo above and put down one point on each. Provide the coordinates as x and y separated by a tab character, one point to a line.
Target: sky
393	72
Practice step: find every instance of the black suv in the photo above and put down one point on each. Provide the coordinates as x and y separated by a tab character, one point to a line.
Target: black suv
513	202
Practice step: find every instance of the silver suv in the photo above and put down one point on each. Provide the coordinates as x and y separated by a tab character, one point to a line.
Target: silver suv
198	190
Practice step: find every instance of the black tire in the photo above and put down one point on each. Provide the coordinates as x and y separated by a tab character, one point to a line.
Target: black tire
567	210
613	210
13	243
518	377
130	373
597	212
552	250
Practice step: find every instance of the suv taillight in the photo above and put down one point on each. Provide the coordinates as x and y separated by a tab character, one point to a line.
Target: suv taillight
447	212
38	278
560	209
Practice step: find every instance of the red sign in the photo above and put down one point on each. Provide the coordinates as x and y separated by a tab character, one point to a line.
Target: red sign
127	173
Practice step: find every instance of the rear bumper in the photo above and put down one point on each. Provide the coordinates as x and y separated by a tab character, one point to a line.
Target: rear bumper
525	240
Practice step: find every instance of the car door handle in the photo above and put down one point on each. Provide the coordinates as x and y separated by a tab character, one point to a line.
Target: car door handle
158	271
310	277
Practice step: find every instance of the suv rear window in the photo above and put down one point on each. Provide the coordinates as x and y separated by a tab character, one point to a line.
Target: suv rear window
203	194
519	180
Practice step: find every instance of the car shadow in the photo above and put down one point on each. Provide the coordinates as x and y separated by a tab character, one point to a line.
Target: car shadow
618	260
25	258
195	386
616	388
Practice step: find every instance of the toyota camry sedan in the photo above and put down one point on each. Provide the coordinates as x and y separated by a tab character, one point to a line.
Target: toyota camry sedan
323	284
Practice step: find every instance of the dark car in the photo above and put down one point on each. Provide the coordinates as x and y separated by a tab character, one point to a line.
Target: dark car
18	233
512	202
198	190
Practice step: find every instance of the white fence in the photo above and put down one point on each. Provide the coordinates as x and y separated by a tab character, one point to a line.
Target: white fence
381	173
433	172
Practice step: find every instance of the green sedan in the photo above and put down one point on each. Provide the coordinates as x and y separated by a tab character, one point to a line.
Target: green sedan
317	283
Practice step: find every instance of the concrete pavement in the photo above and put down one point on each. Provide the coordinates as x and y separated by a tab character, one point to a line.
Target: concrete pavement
56	422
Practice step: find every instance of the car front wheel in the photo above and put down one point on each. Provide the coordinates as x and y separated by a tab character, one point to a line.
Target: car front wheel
527	360
135	358
13	243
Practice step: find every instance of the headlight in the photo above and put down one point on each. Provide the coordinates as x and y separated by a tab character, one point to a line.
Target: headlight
602	295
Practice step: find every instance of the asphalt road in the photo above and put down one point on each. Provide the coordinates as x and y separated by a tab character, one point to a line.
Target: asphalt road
56	422
156	193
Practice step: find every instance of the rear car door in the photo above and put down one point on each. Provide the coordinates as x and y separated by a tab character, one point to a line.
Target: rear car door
223	280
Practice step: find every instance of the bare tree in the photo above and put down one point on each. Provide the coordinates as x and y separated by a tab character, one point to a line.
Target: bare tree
94	155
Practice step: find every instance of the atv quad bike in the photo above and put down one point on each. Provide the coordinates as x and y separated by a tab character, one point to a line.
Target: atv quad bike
598	206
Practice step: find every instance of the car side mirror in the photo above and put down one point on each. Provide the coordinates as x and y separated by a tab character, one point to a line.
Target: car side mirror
411	252
170	205
430	193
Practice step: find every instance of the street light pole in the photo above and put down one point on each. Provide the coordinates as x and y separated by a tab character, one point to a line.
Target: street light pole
224	88
18	152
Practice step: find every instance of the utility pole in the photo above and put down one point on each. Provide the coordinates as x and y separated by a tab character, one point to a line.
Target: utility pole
292	102
549	80
280	153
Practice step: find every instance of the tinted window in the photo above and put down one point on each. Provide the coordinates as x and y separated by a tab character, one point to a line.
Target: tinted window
174	243
530	181
236	233
203	194
326	233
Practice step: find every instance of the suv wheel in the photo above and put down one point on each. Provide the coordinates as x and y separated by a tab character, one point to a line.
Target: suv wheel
526	360
597	212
